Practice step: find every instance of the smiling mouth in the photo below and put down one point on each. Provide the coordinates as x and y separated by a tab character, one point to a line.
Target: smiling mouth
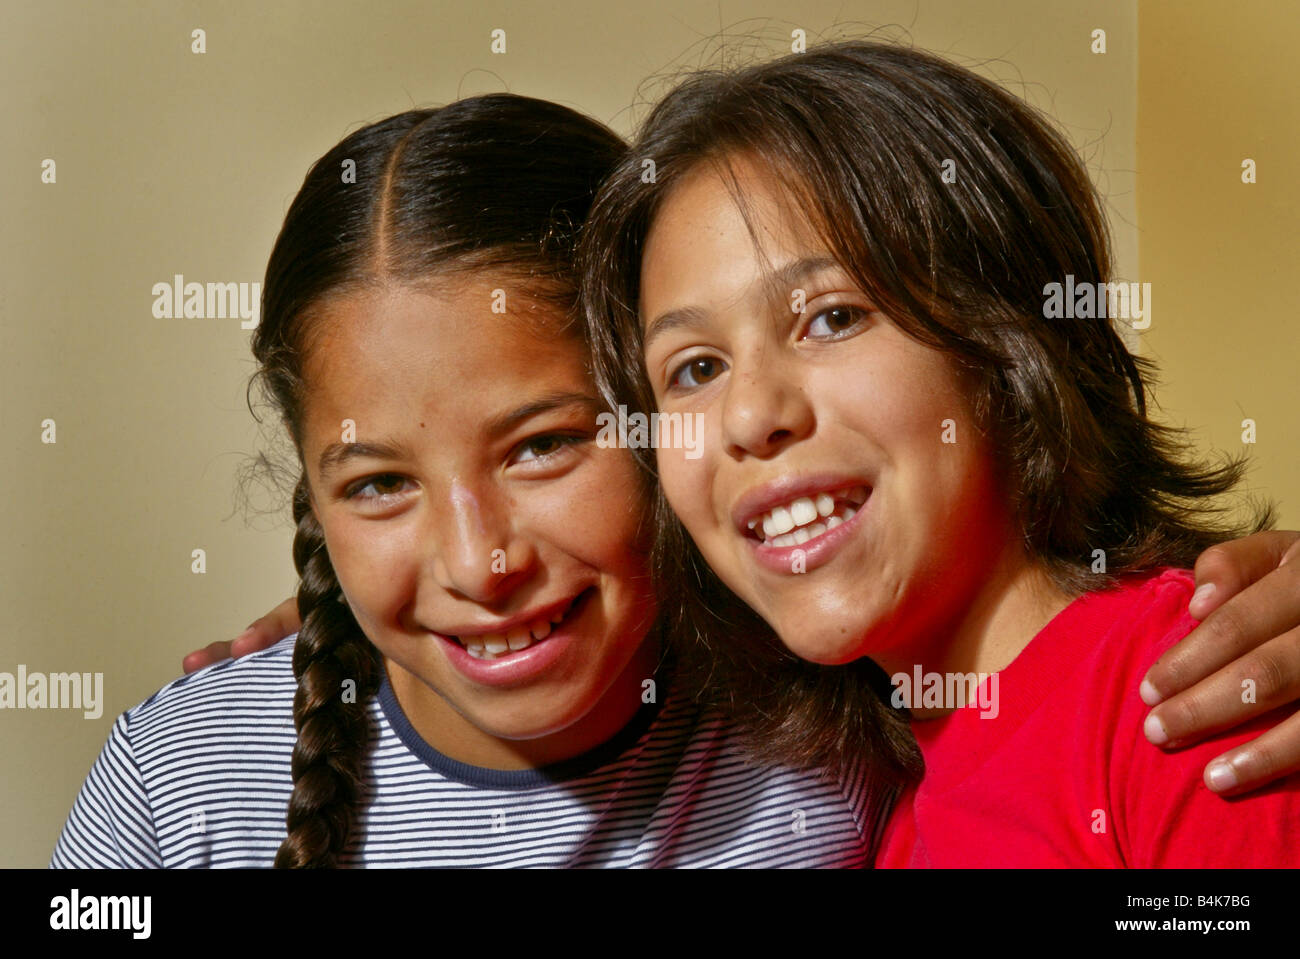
807	517
491	646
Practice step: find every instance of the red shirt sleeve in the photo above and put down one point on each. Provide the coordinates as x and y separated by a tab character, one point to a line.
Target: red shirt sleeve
1165	814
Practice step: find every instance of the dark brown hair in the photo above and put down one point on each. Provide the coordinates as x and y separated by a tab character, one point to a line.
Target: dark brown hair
860	132
497	182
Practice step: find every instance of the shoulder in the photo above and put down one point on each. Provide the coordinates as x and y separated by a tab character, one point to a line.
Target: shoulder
231	717
1099	649
1131	624
196	775
254	689
1163	814
733	809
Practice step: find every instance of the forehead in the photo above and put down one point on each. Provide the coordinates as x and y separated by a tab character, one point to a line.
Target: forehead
745	186
451	352
726	224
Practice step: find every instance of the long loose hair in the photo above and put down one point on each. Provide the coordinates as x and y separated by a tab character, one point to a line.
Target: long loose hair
862	135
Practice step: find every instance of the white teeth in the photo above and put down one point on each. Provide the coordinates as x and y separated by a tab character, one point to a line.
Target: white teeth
562	613
782	522
491	646
808	517
803	511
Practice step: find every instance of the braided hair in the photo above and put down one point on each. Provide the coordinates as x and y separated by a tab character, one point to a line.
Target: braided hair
333	731
498	182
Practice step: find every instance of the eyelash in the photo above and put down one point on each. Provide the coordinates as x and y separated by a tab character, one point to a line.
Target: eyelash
684	365
565	440
354	491
859	314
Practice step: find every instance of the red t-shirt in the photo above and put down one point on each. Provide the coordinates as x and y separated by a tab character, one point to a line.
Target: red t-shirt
1062	775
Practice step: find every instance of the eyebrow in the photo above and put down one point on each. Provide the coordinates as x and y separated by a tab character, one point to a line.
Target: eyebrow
546	403
790	276
781	280
336	454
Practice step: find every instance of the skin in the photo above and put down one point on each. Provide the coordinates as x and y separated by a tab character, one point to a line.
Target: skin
933	572
1248	600
437	479
1249	630
1248	596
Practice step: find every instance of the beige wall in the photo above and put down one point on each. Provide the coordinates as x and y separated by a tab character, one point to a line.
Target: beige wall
171	162
1217	85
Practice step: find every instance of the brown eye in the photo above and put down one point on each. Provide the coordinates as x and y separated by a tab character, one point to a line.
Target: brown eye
386	484
544	446
697	372
838	319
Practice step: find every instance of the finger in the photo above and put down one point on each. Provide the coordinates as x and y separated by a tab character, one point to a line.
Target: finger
212	653
1260	613
1225	569
1263	760
1264	679
268	630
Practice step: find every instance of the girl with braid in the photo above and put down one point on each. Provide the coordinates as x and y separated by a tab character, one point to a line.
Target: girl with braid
482	674
480	677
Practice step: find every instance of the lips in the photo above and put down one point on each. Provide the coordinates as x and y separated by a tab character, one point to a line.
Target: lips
517	636
798	523
795	522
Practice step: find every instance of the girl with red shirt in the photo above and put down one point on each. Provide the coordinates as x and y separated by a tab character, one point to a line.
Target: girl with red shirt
849	266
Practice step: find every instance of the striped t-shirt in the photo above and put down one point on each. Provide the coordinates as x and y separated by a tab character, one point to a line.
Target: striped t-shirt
198	775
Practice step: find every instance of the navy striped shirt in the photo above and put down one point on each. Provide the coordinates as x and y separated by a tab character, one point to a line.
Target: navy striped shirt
198	775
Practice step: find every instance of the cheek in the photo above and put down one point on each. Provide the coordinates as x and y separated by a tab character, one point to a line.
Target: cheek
374	564
603	521
685	484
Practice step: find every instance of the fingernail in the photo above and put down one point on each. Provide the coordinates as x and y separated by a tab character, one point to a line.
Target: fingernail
1222	775
1150	695
1155	730
1202	591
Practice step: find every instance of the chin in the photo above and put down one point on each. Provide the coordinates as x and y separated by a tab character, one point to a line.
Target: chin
528	724
827	645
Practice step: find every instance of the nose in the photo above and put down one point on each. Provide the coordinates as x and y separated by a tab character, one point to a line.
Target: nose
765	408
478	552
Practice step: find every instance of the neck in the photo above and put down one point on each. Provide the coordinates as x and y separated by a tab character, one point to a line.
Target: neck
982	630
452	734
